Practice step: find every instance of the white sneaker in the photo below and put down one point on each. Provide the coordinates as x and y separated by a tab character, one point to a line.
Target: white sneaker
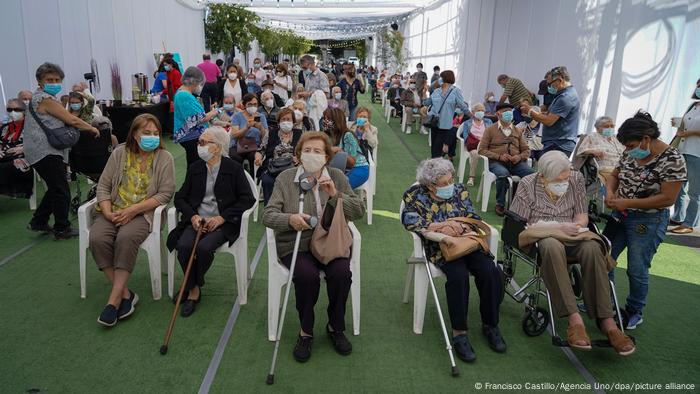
470	181
423	131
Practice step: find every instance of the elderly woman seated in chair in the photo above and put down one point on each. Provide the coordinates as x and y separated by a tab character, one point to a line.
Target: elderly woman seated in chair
217	192
428	206
139	176
555	200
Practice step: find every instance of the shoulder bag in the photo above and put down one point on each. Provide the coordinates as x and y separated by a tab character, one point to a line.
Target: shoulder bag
331	238
433	121
475	235
59	138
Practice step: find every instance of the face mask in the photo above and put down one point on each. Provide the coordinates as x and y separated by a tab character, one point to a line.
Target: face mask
436	72
608	132
256	66
445	192
204	154
492	98
167	67
15	116
458	111
76	106
280	74
419	69
198	90
440	81
639	153
558	188
313	162
338	96
551	89
328	125
507	116
697	93
149	142
307	72
479	114
26	102
228	107
412	86
52	88
298	115
251	110
269	103
286	126
232	76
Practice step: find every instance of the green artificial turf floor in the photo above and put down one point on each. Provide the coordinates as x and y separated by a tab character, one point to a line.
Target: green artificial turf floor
50	341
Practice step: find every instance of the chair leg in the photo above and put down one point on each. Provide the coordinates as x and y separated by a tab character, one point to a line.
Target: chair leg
83	262
153	252
420	296
486	193
462	165
355	293
171	273
370	205
241	261
409	282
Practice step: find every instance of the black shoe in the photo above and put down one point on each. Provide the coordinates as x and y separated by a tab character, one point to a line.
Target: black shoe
108	317
675	222
188	308
127	306
302	350
463	348
41	228
65	234
493	335
340	342
184	297
500	210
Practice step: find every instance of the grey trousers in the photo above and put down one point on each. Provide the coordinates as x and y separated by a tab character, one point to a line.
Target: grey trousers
117	247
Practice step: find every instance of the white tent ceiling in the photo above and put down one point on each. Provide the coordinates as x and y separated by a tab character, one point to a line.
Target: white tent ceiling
328	19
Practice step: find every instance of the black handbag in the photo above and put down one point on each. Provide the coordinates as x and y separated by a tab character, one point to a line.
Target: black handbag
276	166
433	121
59	138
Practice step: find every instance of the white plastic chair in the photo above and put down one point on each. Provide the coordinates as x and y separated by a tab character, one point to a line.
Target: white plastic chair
382	94
32	198
388	109
258	187
487	179
416	273
152	245
408	115
368	188
239	249
278	275
463	154
373	177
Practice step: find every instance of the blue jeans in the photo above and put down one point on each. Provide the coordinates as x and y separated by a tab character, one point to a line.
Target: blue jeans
641	235
502	172
686	208
357	176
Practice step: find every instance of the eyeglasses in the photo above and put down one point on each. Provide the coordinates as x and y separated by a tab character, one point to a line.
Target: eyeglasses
205	142
14	110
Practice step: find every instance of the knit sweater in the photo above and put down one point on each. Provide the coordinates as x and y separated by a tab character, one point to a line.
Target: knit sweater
284	202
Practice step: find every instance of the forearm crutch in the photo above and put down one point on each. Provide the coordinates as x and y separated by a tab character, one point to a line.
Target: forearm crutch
168	334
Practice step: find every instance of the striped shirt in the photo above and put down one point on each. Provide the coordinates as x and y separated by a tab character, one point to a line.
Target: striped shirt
534	204
516	91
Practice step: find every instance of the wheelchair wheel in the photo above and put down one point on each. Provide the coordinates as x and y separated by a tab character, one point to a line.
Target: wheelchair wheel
535	322
576	281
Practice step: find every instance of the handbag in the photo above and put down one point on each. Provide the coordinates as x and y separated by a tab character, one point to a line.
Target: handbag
246	145
331	238
433	121
475	234
276	166
59	138
472	142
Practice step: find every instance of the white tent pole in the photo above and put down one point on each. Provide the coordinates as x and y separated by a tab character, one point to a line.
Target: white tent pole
2	89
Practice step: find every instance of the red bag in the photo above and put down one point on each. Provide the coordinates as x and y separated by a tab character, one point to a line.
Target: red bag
472	142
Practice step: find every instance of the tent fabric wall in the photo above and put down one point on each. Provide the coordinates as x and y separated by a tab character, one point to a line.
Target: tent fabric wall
623	55
71	32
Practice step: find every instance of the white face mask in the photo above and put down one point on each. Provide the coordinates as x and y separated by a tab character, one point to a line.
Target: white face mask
198	90
286	126
298	115
558	188
269	103
204	154
15	116
313	162
280	74
251	110
338	96
26	102
232	76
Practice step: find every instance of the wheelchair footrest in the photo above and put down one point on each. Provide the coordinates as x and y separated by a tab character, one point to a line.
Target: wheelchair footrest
560	342
414	260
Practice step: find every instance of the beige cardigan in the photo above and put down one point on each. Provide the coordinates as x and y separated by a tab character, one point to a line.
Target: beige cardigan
162	186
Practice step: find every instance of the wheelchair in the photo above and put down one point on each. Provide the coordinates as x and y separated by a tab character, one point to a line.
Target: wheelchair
536	318
89	157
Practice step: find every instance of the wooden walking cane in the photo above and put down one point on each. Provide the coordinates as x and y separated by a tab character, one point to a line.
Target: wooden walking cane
168	334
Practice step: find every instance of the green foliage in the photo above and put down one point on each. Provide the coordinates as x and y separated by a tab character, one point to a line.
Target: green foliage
361	49
228	26
395	40
273	42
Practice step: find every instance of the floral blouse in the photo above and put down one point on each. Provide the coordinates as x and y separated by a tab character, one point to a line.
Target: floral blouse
420	210
134	186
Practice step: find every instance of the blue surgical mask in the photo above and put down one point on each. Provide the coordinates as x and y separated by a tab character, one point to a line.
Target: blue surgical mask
338	96
76	106
697	93
639	153
479	114
445	192
167	67
256	66
228	107
507	116
361	121
608	132
458	111
149	142
52	88
551	89
440	81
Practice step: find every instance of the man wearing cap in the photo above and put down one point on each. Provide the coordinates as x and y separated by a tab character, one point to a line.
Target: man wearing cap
507	150
269	85
560	124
